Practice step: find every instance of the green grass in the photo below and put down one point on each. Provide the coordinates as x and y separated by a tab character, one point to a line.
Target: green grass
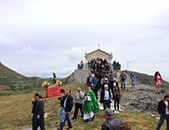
16	114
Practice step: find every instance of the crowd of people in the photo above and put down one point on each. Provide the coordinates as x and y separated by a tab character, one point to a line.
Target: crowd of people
104	79
99	65
88	105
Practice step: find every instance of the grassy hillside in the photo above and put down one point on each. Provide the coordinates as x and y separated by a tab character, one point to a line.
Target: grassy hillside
12	82
16	114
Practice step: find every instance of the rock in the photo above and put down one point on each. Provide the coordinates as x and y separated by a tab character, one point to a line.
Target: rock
69	80
142	98
162	90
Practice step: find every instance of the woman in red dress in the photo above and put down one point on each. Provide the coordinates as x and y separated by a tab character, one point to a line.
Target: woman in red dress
157	80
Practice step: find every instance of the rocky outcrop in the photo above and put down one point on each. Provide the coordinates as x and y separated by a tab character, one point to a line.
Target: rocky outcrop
69	80
142	98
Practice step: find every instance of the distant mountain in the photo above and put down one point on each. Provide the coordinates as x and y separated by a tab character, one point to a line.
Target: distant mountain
6	72
8	77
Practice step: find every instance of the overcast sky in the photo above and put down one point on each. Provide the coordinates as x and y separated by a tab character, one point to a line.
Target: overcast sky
38	37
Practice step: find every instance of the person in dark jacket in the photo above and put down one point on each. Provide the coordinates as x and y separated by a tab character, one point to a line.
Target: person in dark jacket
68	105
117	96
40	114
61	113
106	82
105	97
123	78
115	83
90	80
95	87
163	110
111	122
34	102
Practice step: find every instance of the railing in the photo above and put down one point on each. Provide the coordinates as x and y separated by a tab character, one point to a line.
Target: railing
112	66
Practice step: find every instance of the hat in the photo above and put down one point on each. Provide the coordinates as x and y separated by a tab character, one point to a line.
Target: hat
106	78
114	79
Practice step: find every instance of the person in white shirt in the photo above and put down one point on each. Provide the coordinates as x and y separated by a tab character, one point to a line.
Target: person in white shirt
163	110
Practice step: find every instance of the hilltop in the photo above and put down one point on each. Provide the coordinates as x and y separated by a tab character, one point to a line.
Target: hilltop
6	72
139	104
12	82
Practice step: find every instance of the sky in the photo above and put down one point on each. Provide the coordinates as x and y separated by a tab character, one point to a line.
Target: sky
38	37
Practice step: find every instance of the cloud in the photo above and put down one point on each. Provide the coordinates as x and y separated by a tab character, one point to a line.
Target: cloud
45	73
61	73
66	71
7	43
75	54
50	36
28	50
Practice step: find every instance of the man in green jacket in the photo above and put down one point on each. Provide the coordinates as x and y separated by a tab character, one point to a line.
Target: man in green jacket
40	114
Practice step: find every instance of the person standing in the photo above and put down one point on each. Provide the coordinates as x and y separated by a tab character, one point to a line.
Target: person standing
157	80
68	105
132	79
106	82
117	96
111	122
78	102
89	64
95	87
103	80
54	77
40	114
163	110
34	103
105	97
90	106
90	80
123	78
61	113
115	83
112	75
81	64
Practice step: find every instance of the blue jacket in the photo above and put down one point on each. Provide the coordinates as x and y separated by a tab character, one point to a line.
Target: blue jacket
133	78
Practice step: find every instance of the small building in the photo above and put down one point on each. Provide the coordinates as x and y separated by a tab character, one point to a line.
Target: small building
99	53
